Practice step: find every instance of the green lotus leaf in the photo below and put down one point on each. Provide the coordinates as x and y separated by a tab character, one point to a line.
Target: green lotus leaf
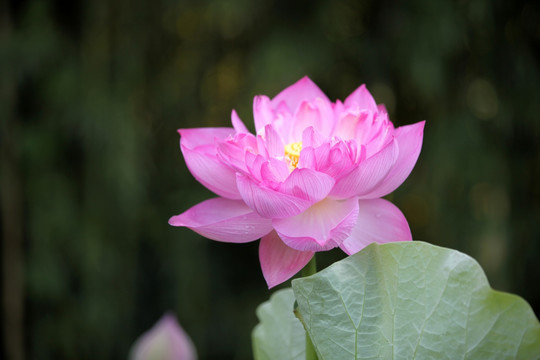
413	300
279	334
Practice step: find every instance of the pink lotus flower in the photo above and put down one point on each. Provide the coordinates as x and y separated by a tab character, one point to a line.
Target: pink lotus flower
311	179
165	341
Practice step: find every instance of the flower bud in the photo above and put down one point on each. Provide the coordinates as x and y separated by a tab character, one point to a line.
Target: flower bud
165	341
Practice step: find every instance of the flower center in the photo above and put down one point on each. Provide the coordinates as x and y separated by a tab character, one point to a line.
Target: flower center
292	153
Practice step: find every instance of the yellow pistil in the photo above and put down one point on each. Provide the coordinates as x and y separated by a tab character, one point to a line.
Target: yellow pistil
292	153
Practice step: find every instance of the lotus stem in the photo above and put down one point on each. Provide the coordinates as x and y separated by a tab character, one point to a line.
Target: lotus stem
310	269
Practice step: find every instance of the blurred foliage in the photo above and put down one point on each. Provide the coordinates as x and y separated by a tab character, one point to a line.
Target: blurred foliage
92	95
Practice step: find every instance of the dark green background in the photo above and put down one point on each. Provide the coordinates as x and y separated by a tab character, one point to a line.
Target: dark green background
92	93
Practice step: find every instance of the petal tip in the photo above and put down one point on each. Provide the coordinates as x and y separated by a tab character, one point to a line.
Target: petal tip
279	262
173	221
271	284
305	79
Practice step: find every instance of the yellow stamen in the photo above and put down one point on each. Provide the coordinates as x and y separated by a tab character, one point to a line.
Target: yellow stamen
292	153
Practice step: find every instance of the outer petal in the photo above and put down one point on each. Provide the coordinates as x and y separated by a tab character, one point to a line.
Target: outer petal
378	221
193	138
304	89
267	202
409	139
237	123
278	261
368	174
361	97
321	227
212	173
224	220
199	150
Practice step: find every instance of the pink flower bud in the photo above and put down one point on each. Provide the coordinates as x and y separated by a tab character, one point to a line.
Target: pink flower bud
165	341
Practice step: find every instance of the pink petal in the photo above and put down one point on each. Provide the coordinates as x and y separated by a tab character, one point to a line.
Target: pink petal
378	221
362	98
275	172
347	124
307	184
306	116
212	173
278	261
317	114
200	153
193	138
368	174
166	340
316	158
337	160
263	113
253	164
223	220
237	123
304	89
232	150
307	158
267	202
311	138
282	122
321	227
375	132
327	116
273	142
409	140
